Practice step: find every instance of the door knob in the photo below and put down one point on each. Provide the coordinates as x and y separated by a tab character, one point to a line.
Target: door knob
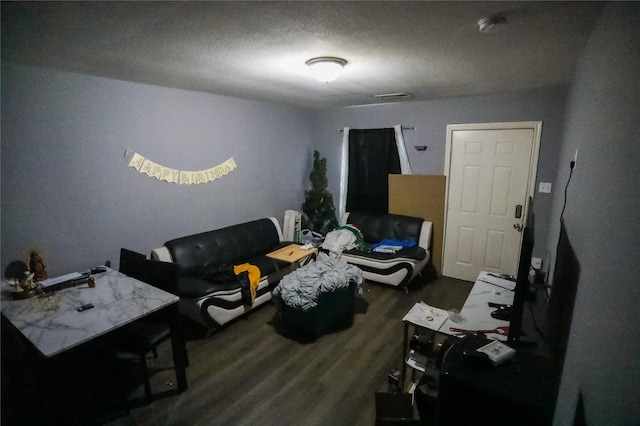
518	227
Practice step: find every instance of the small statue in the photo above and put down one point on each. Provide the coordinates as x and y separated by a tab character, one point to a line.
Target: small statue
37	266
28	283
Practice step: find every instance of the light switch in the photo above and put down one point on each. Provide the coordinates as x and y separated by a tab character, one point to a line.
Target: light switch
545	187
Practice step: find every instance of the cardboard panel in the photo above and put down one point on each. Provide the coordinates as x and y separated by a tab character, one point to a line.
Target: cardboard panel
421	196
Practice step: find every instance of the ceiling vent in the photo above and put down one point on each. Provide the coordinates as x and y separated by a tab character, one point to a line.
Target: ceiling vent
391	96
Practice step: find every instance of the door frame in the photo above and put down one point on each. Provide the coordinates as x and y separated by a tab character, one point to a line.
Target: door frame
536	126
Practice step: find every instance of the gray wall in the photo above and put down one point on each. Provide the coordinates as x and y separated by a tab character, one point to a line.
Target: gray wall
430	120
67	189
603	223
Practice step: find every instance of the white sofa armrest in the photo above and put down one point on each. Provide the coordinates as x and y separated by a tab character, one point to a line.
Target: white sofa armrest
425	235
276	224
161	254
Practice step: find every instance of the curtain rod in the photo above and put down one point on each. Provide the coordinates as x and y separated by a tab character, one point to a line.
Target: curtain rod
403	128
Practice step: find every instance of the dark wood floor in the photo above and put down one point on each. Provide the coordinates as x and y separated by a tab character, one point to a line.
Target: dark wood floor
244	374
248	373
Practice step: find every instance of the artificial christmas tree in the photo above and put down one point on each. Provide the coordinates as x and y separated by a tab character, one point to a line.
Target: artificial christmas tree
318	211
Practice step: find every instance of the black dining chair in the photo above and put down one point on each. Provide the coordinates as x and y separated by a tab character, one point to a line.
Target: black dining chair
142	337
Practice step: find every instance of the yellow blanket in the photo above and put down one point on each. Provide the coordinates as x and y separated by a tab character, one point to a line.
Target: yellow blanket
254	277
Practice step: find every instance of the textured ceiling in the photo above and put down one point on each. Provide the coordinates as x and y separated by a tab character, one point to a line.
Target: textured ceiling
257	50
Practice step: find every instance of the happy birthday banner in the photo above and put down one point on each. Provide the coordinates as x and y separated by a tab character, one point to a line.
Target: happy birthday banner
181	177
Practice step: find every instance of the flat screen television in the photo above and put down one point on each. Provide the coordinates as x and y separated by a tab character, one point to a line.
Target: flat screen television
522	278
566	276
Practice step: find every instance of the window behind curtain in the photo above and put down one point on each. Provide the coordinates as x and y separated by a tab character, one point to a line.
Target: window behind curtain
373	155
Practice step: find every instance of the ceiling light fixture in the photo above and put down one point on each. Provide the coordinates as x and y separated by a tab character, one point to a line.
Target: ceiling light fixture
326	68
491	24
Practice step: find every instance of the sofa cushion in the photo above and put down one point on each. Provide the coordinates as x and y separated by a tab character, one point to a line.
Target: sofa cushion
232	245
376	227
416	253
190	287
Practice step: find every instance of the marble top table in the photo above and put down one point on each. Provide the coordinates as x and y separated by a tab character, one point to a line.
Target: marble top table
53	324
476	312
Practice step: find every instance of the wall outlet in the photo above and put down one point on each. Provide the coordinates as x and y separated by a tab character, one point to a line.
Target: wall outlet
575	160
536	262
545	187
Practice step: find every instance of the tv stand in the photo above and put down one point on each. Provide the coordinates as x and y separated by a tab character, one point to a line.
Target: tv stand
469	374
524	388
524	344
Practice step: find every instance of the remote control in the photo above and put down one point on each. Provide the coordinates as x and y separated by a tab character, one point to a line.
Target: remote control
85	307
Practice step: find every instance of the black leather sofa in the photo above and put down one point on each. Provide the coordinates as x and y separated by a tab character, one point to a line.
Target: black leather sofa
215	302
395	269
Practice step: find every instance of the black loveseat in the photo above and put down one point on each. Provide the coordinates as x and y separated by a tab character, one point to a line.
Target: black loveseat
215	302
395	269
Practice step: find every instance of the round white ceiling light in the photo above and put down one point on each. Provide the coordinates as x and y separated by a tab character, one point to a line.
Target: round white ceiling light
326	68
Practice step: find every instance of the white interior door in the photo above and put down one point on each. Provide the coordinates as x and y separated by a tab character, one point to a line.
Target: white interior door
491	171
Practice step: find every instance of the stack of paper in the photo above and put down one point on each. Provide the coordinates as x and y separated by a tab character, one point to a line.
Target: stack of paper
64	278
426	316
497	352
497	281
417	361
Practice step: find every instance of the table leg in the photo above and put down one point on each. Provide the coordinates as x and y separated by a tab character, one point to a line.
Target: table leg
179	348
276	265
307	259
404	355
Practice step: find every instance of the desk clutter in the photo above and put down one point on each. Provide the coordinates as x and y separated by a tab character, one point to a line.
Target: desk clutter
24	284
436	329
426	316
452	359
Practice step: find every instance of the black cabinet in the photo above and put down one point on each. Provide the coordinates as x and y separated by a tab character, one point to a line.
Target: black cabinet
520	391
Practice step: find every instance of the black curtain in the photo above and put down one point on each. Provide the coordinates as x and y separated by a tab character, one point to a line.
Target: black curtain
373	156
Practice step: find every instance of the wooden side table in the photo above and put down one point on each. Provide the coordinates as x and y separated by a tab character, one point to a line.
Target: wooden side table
293	253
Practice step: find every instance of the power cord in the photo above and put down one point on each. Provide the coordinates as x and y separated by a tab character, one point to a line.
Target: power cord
535	323
572	165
